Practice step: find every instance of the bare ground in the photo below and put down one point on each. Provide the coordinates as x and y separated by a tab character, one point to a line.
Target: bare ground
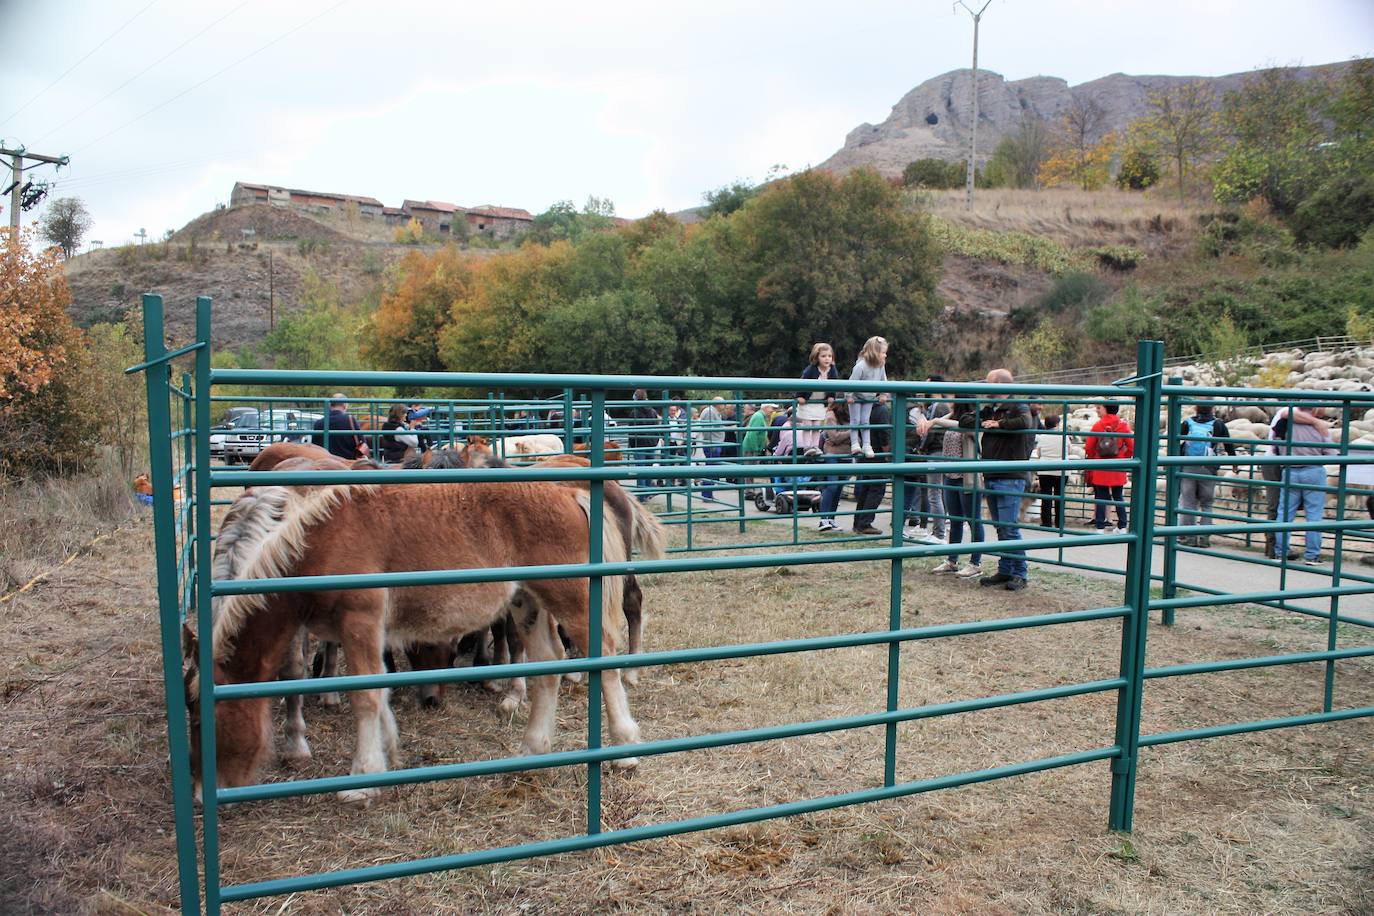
1279	821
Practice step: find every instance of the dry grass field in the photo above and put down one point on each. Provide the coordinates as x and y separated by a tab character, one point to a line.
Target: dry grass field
1074	217
1275	822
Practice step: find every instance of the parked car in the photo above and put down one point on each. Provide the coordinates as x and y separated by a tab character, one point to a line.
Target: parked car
247	439
234	418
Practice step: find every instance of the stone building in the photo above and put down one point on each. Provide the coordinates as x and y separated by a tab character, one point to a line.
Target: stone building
498	222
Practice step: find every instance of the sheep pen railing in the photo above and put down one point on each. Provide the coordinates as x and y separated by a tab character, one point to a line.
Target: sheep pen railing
180	414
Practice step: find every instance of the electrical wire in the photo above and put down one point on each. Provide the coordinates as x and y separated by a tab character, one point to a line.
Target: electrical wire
219	72
107	95
68	71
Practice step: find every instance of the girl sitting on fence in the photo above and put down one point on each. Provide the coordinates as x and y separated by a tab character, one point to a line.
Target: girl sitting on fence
811	405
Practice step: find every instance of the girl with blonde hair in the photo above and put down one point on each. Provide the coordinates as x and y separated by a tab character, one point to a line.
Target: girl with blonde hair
871	366
812	405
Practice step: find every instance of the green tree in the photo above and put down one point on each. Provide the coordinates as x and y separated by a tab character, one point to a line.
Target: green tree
837	260
727	199
1182	122
563	221
621	331
936	174
1138	170
1043	350
1017	158
1275	133
66	224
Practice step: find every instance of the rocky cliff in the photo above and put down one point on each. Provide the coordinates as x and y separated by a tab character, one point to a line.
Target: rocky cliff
932	120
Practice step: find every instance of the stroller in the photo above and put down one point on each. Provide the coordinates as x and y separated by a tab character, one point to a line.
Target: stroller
782	492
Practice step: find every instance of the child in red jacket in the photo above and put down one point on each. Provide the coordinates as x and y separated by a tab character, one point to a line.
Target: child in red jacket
1109	485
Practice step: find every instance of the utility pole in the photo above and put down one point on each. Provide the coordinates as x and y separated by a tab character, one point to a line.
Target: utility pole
17	187
973	132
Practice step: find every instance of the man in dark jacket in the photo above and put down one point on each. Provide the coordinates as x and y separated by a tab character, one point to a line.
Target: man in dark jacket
868	494
343	439
644	445
1007	435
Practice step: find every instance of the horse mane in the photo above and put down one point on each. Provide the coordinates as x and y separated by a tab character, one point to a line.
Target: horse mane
277	551
248	522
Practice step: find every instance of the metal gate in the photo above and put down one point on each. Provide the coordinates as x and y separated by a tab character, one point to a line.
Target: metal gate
180	413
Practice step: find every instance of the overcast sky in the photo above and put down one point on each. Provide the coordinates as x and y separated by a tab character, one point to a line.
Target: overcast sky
163	105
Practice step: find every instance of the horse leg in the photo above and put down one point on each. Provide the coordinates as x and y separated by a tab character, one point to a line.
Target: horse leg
500	651
571	596
329	667
537	635
297	749
634	618
515	650
565	649
361	629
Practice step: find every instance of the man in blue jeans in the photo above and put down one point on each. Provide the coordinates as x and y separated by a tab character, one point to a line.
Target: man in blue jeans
1007	435
1302	483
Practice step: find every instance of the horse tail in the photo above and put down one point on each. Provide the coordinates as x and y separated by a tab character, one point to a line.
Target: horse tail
649	536
613	550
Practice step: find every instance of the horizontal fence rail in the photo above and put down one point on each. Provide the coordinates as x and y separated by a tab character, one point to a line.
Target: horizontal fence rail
689	452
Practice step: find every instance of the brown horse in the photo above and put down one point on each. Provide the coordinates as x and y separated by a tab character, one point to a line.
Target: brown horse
277	452
411	528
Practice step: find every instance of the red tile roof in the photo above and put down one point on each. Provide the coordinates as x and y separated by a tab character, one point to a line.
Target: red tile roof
501	212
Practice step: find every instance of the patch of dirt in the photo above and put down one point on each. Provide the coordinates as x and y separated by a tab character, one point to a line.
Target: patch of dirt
264	220
1279	821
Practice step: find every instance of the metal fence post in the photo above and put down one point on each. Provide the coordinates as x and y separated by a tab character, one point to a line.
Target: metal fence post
739	455
894	611
156	380
1334	602
1171	486
204	621
595	554
1149	366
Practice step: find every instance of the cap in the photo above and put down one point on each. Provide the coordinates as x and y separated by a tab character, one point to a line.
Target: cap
419	413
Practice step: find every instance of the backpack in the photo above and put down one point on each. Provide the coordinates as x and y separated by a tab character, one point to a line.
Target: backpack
1108	448
1193	427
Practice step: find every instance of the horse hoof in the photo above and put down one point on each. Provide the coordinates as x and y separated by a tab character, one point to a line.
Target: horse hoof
430	702
330	699
491	686
508	705
360	798
294	757
572	677
625	763
631	677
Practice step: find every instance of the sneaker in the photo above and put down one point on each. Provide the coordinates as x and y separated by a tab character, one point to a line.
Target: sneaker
826	526
868	451
1016	584
1185	541
914	537
1367	560
867	529
812	452
971	571
856	451
1314	561
925	537
1121	531
946	567
996	579
1294	556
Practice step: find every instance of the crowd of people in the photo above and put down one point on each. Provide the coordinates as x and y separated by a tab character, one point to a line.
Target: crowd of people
854	429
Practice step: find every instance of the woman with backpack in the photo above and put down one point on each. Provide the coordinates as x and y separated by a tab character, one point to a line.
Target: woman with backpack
1196	492
1109	486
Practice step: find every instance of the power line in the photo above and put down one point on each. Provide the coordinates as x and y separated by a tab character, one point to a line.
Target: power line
143	71
212	76
66	72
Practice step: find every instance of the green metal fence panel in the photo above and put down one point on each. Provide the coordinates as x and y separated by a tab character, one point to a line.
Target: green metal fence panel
579	408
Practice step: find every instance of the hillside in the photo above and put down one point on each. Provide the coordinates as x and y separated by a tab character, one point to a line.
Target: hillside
211	256
932	120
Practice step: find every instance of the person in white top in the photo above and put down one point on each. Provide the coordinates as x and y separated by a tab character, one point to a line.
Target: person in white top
1049	446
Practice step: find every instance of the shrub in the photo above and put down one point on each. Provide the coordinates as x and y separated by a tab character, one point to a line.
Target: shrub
412	233
1130	316
1075	289
1337	215
1138	171
935	173
1117	257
